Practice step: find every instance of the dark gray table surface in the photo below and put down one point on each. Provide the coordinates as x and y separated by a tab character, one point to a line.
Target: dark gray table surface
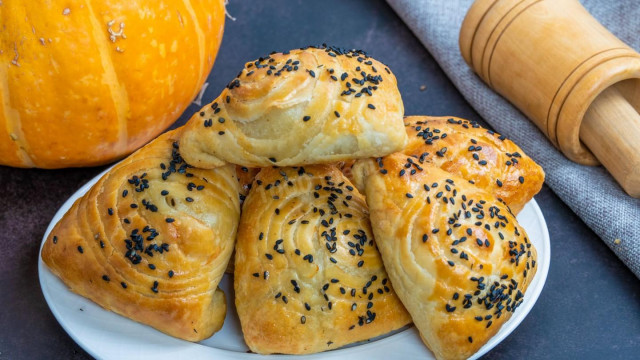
589	308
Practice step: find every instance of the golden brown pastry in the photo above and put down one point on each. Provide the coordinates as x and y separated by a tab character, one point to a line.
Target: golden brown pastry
245	178
308	276
151	239
482	156
457	257
306	106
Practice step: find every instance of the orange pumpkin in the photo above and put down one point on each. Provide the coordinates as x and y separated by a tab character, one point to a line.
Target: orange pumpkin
84	82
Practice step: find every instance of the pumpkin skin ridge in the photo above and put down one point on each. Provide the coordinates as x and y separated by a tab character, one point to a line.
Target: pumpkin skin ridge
200	35
12	125
65	115
118	93
15	145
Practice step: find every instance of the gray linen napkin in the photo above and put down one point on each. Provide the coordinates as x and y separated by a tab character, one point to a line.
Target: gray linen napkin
590	191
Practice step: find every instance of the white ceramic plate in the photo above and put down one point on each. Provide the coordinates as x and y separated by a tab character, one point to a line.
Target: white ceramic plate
106	335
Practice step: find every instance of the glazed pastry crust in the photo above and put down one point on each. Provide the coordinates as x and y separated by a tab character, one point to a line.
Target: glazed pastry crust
457	257
160	262
305	238
245	178
305	106
468	150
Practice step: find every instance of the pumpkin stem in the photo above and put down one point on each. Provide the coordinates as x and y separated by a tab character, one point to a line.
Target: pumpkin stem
226	2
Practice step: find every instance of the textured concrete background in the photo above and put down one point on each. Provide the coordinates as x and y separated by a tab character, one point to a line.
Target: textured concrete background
589	308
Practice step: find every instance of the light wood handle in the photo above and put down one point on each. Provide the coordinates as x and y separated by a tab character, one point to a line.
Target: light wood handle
611	130
567	73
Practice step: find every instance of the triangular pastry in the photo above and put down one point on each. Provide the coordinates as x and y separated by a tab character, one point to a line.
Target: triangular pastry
482	156
457	257
308	275
304	106
151	240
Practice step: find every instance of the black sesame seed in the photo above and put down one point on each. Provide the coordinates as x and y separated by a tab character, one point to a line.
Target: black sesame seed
370	106
306	118
169	220
105	278
123	284
80	250
171	273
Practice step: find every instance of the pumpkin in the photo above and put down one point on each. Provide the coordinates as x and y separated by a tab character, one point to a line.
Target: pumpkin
85	82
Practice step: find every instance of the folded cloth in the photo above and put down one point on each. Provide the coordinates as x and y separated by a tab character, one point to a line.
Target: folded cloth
590	191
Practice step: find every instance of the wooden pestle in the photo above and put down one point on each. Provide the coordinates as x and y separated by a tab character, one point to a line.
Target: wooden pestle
573	78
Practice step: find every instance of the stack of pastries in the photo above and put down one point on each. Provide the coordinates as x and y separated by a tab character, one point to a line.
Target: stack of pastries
340	219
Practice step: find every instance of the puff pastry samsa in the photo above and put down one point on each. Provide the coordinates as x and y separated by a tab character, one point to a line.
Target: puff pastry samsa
151	240
308	276
466	149
306	106
457	257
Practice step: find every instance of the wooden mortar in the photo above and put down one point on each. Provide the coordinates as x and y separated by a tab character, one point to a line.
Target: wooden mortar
573	78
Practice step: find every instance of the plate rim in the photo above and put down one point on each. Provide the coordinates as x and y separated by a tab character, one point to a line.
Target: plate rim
506	330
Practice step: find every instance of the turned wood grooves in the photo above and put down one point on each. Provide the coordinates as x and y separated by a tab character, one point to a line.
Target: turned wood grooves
559	66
